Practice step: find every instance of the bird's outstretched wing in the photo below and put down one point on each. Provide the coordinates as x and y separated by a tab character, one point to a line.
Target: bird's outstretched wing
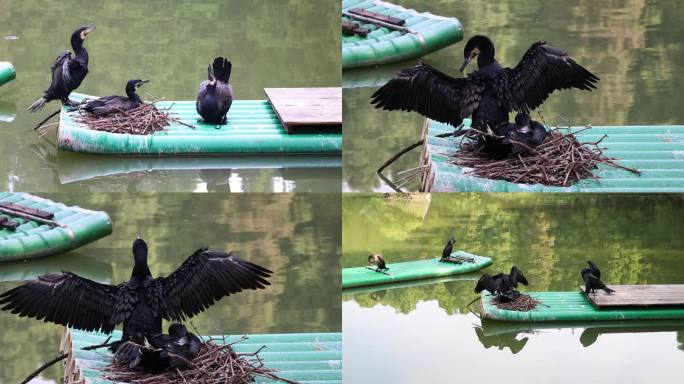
431	93
542	70
70	300
486	282
203	278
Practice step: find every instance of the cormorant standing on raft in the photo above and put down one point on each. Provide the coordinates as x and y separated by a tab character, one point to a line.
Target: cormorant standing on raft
140	303
215	95
502	285
446	252
378	261
108	105
67	72
487	94
592	279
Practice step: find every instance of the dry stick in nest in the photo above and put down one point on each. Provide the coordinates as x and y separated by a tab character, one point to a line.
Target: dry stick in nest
560	161
523	303
62	357
215	364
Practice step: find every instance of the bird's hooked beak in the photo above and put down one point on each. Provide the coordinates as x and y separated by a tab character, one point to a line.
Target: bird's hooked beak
89	28
140	83
473	54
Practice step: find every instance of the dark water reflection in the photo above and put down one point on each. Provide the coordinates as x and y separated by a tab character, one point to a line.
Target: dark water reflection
633	46
636	239
271	44
295	235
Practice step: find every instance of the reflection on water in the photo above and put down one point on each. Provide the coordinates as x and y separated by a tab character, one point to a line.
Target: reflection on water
633	46
428	324
171	43
295	235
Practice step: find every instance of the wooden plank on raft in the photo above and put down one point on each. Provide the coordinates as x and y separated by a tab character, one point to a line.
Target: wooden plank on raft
31	211
377	16
350	29
298	108
639	296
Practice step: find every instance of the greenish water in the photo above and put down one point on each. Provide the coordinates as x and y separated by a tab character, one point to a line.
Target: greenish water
425	333
270	43
633	46
295	235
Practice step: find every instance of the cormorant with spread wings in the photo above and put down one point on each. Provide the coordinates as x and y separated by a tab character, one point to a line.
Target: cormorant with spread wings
140	303
489	93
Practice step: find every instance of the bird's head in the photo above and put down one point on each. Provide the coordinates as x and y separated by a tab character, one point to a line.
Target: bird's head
177	329
452	240
372	257
522	119
81	32
133	85
140	251
476	46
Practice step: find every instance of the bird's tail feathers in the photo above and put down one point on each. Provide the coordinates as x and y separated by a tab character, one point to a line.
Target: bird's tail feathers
608	290
221	69
37	105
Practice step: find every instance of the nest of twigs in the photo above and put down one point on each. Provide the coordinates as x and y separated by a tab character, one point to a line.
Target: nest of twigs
144	120
523	303
561	160
216	363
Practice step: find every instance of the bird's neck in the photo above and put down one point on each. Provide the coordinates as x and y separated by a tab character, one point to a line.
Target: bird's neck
81	54
141	270
130	92
485	60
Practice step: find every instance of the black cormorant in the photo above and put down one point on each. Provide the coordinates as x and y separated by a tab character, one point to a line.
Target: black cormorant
487	94
592	279
108	105
515	138
502	284
140	303
446	252
67	72
172	350
215	95
378	261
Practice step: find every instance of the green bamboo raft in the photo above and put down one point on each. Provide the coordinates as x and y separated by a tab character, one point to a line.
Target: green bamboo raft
419	34
656	151
574	306
308	358
72	228
252	128
411	270
7	72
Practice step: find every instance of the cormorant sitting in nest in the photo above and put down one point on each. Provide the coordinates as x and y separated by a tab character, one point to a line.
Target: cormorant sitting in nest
215	95
516	138
489	93
378	261
108	105
592	279
67	72
173	350
140	303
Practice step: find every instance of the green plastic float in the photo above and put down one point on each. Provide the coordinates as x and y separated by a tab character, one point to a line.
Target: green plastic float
7	72
574	306
76	227
301	357
422	33
252	128
411	270
657	151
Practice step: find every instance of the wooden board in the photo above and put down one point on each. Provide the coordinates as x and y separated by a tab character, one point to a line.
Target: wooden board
298	108
639	296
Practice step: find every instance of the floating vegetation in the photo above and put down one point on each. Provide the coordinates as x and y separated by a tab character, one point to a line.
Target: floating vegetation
561	160
143	120
523	303
216	363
